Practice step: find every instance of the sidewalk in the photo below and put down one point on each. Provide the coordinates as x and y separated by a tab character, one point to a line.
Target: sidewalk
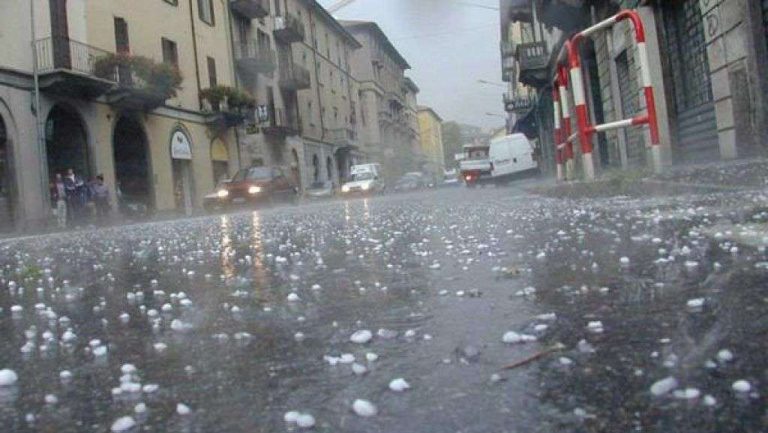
721	176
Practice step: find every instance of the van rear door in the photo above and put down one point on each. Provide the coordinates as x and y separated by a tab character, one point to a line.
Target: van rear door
522	150
501	156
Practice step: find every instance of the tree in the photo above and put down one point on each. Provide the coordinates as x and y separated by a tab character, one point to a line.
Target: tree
452	142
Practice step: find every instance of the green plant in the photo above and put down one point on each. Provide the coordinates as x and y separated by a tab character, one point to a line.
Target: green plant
162	78
236	100
239	100
214	95
165	78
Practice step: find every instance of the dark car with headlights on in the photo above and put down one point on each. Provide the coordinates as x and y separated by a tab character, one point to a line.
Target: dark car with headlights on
258	185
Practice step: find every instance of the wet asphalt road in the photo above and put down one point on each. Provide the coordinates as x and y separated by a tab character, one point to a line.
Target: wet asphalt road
643	314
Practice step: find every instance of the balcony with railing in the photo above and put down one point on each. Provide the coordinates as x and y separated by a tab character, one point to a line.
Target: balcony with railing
533	59
518	104
343	136
289	29
66	68
75	69
294	77
253	58
251	9
282	124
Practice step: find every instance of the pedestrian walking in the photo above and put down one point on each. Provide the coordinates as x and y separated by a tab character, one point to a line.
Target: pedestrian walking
100	196
76	195
59	200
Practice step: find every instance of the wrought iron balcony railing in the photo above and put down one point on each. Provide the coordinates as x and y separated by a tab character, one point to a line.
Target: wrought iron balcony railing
253	57
289	28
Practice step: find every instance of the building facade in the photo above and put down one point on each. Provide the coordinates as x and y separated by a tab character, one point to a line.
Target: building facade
387	115
295	58
707	66
412	129
431	134
166	98
111	101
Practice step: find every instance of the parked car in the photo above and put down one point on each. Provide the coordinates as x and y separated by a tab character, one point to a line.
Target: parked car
320	190
213	201
256	185
363	183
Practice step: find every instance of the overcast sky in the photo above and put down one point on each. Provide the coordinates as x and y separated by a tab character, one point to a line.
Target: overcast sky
449	45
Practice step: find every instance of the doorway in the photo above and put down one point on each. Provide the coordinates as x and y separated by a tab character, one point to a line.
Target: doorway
691	88
66	144
60	34
182	186
181	166
132	167
315	168
6	195
296	168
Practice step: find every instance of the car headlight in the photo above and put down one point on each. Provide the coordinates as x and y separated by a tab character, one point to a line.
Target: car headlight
222	193
366	186
345	188
254	190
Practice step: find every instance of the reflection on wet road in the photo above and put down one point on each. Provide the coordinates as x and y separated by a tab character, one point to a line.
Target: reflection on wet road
609	315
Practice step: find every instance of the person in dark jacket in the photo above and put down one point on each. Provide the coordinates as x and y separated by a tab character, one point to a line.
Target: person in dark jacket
77	195
100	197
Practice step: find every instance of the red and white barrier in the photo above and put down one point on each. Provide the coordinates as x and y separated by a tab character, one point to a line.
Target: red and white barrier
558	152
586	130
566	139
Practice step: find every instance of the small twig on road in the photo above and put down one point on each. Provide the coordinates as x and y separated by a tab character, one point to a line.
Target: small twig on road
556	348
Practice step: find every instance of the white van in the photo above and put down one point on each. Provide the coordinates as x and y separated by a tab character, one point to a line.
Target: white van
506	158
364	179
374	168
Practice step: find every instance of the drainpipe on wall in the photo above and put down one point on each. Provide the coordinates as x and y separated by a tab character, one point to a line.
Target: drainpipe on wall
317	78
38	112
194	51
235	79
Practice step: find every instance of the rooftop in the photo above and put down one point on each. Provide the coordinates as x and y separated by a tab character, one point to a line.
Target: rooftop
370	26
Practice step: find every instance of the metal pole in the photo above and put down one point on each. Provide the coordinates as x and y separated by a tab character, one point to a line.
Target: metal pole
38	111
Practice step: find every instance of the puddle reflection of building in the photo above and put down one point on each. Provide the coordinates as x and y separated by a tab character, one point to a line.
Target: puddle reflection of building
260	275
347	215
349	212
227	252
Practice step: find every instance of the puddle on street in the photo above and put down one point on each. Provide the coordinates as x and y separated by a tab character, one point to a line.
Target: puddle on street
241	318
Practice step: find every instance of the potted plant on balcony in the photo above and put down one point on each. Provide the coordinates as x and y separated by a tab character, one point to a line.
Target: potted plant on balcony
154	82
229	106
